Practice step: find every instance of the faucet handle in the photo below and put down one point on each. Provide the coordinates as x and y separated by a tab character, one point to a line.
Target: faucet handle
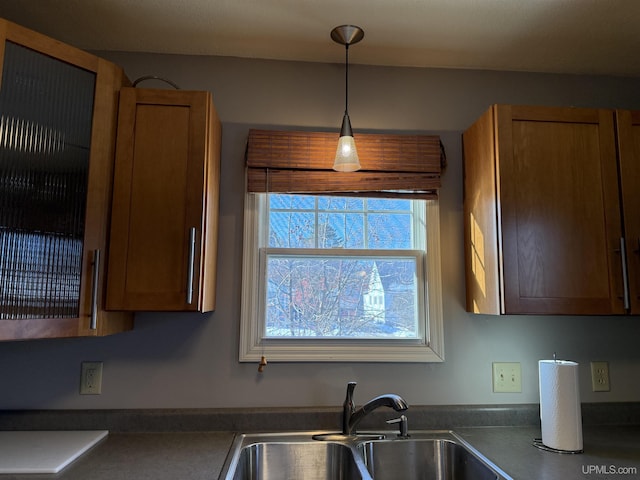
351	386
348	408
403	427
348	401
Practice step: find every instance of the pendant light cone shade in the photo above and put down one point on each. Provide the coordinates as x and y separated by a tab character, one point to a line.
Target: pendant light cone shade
346	154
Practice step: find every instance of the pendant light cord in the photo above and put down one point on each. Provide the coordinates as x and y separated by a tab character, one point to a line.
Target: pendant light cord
346	81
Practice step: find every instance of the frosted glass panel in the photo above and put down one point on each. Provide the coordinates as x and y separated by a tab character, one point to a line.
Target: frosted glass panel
46	110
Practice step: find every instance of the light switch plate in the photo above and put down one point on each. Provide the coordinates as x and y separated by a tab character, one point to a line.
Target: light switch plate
507	377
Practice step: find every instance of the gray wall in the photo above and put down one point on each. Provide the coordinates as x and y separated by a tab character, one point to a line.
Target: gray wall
190	360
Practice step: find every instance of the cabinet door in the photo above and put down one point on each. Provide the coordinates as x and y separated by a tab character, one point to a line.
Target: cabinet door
559	206
57	136
481	240
160	237
629	145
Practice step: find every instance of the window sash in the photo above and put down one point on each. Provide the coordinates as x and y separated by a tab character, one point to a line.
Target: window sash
417	213
418	256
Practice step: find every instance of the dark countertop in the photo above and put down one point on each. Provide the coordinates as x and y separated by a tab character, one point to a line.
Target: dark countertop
610	452
183	444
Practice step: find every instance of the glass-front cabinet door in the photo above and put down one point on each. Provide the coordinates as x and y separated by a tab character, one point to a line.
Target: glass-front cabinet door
46	109
58	109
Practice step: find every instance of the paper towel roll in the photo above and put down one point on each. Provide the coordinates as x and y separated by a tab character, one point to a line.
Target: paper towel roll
560	412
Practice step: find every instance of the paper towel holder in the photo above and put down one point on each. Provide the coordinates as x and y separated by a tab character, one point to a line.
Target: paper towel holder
537	442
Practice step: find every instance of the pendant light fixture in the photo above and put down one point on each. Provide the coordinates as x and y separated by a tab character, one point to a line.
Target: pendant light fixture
346	154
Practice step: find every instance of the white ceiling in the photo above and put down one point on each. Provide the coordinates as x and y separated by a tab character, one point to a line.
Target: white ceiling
563	36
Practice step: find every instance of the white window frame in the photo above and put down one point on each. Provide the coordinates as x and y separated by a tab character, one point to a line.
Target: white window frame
253	346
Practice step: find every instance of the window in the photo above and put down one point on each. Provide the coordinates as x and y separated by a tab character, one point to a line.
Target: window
328	278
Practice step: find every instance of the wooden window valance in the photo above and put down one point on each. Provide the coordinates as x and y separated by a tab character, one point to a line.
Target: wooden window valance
407	166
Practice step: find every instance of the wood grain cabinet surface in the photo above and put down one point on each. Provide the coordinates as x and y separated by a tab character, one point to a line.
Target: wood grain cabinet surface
551	211
165	205
628	124
53	238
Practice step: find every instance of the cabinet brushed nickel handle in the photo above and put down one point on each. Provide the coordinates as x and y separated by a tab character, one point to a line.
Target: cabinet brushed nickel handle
94	290
625	273
191	264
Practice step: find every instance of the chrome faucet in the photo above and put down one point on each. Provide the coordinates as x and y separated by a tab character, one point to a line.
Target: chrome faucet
351	417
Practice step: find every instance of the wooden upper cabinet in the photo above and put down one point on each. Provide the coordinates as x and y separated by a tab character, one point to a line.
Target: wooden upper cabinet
542	212
629	147
58	108
165	205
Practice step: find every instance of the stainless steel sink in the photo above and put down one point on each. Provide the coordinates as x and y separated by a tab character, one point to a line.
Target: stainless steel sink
425	455
296	460
417	459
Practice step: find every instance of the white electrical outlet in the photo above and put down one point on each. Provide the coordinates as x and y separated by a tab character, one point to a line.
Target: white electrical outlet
507	377
600	377
91	378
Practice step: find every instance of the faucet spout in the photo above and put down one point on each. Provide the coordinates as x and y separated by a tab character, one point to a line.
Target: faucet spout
351	417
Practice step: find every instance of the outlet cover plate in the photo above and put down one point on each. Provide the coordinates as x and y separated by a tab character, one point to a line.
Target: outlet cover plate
507	377
600	377
91	378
